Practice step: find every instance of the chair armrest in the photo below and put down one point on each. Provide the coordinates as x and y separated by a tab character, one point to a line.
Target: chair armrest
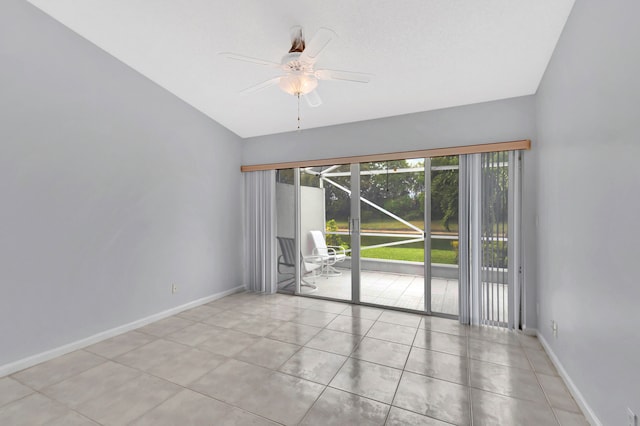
337	250
314	259
329	257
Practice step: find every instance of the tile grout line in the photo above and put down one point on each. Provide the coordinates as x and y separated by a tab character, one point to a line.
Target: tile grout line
191	389
104	360
73	410
546	397
100	394
306	413
325	388
21	398
347	358
332	378
415	335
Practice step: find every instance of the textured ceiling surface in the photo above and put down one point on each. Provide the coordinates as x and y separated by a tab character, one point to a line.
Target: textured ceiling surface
423	54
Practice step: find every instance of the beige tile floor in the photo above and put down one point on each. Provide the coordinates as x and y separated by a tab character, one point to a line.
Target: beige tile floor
249	359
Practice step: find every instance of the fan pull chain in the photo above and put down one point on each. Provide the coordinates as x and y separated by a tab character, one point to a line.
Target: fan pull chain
298	111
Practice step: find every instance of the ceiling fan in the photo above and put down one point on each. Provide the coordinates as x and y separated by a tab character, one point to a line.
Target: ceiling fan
300	78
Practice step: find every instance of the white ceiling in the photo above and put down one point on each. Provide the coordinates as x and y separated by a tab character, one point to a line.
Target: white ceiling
424	54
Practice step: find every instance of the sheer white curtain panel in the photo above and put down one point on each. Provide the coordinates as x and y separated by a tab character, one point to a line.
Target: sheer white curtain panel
260	231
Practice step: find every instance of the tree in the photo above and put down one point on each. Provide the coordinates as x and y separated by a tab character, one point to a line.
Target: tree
444	191
399	193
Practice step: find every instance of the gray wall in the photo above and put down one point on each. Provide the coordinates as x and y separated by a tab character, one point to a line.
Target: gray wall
111	188
589	204
499	121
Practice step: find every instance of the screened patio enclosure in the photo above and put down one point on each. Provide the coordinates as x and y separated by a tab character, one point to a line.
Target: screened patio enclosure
428	235
392	233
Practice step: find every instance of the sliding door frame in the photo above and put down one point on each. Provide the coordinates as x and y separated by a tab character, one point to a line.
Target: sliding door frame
464	256
470	194
427	236
474	182
355	234
297	220
354	228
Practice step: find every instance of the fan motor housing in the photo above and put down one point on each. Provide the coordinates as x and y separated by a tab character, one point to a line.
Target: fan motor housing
291	62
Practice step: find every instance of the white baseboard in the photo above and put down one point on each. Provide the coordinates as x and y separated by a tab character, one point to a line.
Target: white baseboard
32	360
530	331
577	395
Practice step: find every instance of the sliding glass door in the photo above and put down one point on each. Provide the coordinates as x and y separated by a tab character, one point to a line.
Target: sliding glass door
433	235
325	204
444	236
391	231
286	230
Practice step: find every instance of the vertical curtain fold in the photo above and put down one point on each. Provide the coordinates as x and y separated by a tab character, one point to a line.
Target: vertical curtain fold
514	229
490	274
476	213
464	253
260	231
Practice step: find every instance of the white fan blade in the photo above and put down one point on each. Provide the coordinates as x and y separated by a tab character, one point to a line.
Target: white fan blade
317	44
313	99
243	58
260	86
343	75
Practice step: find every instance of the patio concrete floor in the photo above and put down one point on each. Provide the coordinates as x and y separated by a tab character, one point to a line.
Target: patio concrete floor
389	289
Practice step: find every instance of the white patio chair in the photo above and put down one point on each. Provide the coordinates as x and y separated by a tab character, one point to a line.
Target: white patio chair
330	255
309	265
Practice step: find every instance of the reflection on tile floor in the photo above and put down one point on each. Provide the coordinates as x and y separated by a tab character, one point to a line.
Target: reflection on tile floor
390	289
279	359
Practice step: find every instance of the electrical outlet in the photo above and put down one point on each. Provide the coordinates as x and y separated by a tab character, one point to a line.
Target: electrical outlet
174	288
554	328
632	418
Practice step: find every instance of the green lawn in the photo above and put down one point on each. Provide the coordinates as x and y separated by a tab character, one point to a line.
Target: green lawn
394	225
410	254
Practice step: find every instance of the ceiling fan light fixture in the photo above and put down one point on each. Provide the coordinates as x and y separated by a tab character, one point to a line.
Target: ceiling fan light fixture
298	83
